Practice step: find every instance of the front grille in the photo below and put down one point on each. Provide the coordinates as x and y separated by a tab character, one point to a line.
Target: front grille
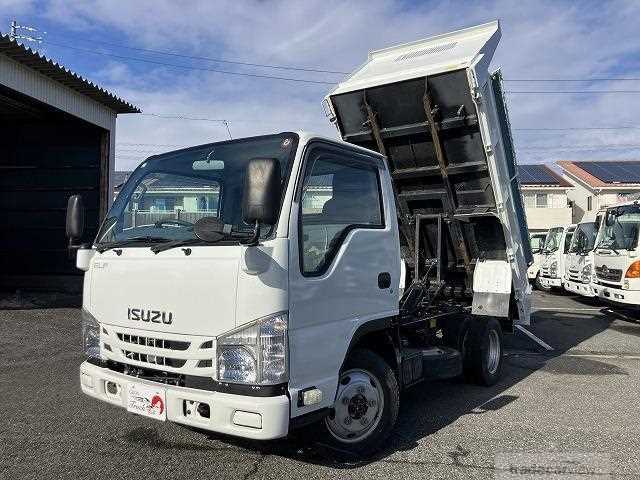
154	359
180	354
575	275
608	274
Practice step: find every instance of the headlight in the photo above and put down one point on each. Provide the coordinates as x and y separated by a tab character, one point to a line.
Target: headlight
586	273
256	353
90	335
553	269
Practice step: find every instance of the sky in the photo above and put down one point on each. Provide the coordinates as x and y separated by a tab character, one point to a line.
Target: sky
541	40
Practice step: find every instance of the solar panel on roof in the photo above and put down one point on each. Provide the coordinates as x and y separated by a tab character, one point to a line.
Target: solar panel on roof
613	172
537	174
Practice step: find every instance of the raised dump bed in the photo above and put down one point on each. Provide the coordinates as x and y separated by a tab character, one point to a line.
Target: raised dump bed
438	115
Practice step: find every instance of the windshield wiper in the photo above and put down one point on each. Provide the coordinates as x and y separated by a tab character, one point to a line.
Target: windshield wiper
129	241
197	241
609	246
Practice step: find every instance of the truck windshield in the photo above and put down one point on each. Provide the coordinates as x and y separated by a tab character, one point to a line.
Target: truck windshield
168	193
584	238
537	242
552	242
620	230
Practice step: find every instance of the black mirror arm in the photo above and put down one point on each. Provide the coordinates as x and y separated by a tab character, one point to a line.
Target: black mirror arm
254	241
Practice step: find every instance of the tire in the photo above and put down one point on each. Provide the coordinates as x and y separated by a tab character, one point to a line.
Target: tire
539	285
482	348
357	424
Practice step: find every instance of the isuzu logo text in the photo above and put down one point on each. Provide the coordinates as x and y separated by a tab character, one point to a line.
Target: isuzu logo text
144	315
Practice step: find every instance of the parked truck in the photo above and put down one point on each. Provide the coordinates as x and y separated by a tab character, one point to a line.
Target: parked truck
616	258
554	256
537	245
333	274
579	258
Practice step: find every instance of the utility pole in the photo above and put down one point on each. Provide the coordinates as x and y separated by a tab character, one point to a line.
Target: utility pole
30	35
226	124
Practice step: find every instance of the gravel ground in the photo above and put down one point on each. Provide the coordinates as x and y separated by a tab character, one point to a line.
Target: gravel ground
581	398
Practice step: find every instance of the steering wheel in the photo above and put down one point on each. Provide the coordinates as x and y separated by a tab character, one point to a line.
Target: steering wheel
170	221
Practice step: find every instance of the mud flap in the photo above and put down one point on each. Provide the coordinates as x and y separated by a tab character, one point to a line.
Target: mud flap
491	288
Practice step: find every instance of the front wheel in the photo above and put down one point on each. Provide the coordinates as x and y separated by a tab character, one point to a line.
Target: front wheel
366	406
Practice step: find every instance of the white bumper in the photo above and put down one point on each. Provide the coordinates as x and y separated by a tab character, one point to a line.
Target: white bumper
532	271
550	282
578	288
619	296
269	415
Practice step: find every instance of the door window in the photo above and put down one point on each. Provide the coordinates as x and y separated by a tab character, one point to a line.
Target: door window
338	195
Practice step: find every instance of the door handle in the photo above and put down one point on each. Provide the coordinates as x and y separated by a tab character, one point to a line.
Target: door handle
384	280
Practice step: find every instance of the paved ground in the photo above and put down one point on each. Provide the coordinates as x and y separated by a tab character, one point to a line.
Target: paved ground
584	397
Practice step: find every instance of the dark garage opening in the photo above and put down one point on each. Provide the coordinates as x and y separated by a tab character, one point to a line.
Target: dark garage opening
46	155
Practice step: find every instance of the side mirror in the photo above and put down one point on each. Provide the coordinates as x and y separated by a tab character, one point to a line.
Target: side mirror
261	196
75	220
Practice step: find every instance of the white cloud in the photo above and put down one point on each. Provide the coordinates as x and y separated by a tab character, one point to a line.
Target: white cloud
541	39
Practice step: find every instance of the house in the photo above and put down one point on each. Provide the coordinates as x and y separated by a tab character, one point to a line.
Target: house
545	196
598	184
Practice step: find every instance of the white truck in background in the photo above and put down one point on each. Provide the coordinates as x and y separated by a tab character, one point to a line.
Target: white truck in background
616	258
278	302
554	256
579	258
537	245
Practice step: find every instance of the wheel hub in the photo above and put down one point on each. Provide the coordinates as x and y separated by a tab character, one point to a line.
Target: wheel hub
358	406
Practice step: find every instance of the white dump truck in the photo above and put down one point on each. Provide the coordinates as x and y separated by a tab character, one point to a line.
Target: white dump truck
252	286
616	257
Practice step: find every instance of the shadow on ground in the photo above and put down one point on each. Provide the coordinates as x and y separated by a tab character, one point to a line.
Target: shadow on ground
429	407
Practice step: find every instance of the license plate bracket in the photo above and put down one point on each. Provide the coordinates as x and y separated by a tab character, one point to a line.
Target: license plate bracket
147	401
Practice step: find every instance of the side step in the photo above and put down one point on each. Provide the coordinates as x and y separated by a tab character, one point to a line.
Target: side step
432	363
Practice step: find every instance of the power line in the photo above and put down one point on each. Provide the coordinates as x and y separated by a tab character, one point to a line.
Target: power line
570	92
565	129
189	67
217	60
580	147
572	80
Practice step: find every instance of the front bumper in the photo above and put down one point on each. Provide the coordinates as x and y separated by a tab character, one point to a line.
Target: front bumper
578	288
550	282
532	271
629	299
269	415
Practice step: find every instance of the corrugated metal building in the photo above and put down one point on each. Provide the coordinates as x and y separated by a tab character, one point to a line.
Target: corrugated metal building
58	139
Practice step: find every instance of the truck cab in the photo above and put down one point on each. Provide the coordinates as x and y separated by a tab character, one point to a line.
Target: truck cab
554	255
537	245
616	278
253	286
579	258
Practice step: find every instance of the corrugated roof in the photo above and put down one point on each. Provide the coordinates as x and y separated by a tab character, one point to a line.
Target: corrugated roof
44	65
604	173
537	174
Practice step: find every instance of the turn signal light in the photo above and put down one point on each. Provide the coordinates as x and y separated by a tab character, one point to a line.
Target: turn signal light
634	270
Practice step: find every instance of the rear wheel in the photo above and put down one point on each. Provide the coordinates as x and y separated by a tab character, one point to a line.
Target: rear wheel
482	348
366	406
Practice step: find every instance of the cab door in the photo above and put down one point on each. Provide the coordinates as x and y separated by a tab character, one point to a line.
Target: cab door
344	267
